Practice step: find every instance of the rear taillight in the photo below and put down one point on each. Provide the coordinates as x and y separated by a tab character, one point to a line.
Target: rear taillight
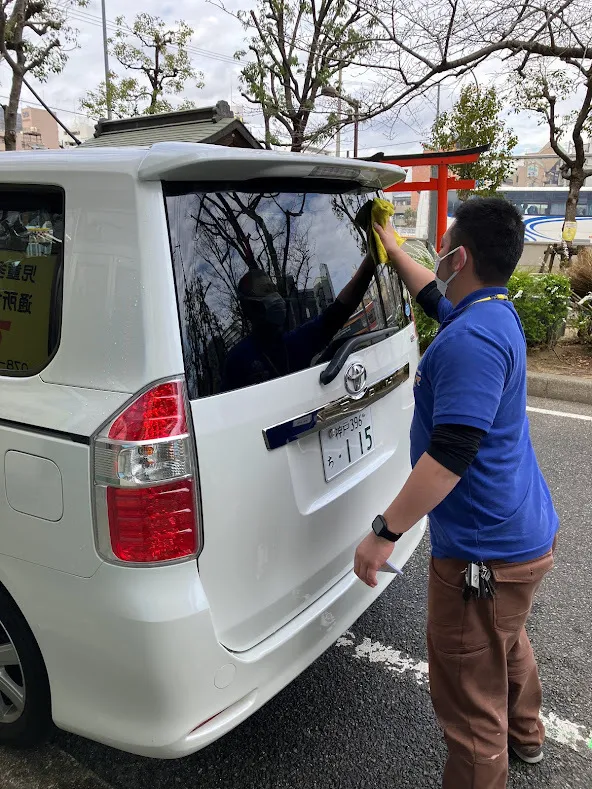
145	480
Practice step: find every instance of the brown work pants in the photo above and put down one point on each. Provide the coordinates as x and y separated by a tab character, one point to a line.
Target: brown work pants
483	676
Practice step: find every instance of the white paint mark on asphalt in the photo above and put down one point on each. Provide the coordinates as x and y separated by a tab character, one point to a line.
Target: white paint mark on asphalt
392	659
566	414
565	732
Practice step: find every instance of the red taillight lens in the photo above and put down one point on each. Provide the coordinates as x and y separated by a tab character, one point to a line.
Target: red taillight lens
145	483
152	524
159	413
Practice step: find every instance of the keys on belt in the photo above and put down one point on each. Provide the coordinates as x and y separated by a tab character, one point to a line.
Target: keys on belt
478	582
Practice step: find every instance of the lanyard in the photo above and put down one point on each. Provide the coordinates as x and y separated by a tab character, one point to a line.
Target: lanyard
496	297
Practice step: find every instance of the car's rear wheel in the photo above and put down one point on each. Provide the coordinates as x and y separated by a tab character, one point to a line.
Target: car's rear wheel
25	706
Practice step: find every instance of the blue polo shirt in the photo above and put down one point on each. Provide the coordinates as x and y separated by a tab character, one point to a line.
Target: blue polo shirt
474	373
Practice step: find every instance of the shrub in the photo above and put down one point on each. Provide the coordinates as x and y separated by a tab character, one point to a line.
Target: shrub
580	273
426	327
542	302
582	312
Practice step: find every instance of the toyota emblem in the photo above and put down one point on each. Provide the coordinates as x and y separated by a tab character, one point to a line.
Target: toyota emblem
355	380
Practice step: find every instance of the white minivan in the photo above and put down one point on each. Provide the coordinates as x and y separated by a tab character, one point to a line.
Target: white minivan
182	495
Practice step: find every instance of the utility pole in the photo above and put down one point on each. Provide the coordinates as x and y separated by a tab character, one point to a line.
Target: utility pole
433	198
106	57
338	136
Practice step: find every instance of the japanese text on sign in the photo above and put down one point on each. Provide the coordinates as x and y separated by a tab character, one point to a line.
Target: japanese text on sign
26	287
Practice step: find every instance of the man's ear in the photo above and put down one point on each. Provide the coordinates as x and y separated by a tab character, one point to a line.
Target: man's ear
460	259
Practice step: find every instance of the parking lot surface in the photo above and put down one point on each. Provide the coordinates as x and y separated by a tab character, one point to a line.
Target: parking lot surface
361	715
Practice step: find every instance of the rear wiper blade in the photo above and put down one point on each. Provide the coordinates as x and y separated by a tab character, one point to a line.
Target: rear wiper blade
356	343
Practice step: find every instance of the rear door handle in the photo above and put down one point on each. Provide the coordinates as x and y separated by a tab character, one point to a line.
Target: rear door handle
331	371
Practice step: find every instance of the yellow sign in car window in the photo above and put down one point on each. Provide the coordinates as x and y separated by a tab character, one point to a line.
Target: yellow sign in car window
26	285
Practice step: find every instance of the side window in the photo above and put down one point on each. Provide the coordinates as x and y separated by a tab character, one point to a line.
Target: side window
31	259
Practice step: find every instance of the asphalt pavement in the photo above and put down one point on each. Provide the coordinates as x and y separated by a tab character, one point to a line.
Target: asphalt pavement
361	715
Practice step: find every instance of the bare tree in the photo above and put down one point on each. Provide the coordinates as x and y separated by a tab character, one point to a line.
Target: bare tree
297	50
422	43
541	90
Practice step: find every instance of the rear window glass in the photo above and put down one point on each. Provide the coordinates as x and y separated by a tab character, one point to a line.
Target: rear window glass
31	253
264	282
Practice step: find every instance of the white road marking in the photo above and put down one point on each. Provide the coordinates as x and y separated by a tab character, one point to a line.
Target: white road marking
575	736
566	414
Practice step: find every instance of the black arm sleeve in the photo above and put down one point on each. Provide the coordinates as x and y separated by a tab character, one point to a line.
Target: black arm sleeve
455	446
428	299
335	317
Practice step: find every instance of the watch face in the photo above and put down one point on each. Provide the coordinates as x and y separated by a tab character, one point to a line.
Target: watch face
378	524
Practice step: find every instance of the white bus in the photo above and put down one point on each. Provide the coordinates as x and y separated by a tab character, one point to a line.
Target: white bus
543	209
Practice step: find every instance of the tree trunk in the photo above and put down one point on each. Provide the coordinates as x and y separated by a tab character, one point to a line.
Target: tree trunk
11	112
267	122
576	181
298	136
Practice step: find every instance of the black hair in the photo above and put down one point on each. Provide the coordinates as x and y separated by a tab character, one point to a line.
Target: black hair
255	283
491	228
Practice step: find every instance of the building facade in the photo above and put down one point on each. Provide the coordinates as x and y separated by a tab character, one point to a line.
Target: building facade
36	130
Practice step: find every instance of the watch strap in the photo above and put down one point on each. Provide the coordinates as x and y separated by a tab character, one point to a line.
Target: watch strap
380	528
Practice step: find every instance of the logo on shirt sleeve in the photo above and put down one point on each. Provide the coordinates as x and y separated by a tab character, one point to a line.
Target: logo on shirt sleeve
417	381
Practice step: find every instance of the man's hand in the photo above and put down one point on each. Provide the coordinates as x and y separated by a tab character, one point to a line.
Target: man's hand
389	240
413	274
371	554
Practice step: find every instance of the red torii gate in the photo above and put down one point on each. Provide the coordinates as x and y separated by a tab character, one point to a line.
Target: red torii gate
442	184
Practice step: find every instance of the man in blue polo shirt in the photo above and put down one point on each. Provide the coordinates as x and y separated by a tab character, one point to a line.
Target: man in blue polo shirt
492	521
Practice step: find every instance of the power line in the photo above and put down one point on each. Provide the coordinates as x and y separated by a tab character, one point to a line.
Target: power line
390	145
92	19
55	109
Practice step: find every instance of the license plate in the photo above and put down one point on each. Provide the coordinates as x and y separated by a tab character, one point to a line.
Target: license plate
346	443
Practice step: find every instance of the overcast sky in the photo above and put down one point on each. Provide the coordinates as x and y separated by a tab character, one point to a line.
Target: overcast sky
219	33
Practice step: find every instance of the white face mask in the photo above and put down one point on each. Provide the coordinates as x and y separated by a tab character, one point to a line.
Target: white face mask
442	285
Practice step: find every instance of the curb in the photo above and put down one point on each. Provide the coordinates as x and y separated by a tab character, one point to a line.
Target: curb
560	387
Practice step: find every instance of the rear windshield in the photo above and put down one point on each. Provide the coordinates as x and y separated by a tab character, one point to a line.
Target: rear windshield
263	280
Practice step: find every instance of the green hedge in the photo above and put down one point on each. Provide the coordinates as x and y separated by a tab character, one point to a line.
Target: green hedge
427	328
541	301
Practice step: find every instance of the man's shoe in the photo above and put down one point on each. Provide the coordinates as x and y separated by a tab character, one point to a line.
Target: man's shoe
530	755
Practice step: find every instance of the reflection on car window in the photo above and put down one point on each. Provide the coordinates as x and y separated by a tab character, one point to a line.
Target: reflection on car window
31	235
260	280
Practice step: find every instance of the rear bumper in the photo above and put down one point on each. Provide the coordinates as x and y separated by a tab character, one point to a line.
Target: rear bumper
134	662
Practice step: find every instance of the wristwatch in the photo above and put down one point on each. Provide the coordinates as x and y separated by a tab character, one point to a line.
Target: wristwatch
380	528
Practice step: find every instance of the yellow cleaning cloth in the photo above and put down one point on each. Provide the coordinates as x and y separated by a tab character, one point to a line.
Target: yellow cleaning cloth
378	212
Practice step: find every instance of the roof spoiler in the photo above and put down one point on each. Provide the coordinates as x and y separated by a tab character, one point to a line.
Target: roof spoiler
195	162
